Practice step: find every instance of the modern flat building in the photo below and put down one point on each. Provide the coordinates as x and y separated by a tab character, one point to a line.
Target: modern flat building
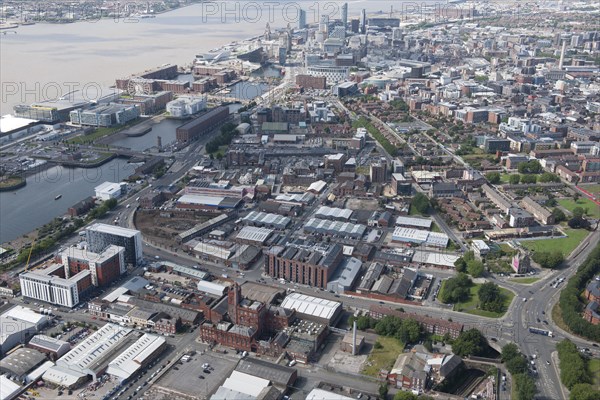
105	267
51	286
100	236
401	186
378	172
105	115
185	106
17	325
332	73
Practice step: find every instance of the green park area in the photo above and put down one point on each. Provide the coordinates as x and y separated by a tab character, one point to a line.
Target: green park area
472	306
525	281
593	209
564	245
383	355
593	188
594	369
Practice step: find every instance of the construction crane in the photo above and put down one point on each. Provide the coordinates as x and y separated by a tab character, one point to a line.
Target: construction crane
29	256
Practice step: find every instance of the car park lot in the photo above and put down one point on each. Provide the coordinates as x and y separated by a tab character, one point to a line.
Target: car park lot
184	377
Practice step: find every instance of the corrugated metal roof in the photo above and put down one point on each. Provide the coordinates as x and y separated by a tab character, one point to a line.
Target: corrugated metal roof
314	306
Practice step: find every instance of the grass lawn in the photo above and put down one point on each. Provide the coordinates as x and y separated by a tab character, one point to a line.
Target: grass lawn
470	306
593	209
525	281
504	178
435	228
414	212
383	358
101	132
558	319
594	368
565	245
595	188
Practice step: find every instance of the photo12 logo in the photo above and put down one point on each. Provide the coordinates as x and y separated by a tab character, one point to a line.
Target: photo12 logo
34	92
268	11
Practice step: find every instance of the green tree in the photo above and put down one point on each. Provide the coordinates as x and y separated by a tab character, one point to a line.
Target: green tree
471	342
548	177
493	177
475	268
578	222
578	212
488	292
517	365
383	390
548	259
528	179
460	265
530	167
401	395
525	387
111	203
421	203
584	391
509	351
573	368
456	289
514	179
559	215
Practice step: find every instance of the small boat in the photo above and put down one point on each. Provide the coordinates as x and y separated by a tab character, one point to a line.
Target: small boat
58	197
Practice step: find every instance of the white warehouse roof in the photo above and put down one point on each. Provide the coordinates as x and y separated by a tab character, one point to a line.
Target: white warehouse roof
211	288
131	360
245	383
8	389
416	222
254	234
20	313
332	212
310	305
317	186
320	394
93	347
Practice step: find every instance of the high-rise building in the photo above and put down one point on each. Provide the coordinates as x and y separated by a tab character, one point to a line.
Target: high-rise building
105	267
50	285
302	19
324	25
378	172
345	14
363	21
100	236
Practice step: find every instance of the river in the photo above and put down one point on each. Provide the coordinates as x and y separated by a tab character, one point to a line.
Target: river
25	209
43	60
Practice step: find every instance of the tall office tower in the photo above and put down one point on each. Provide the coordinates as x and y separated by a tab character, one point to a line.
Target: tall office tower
100	236
363	21
302	19
345	14
324	25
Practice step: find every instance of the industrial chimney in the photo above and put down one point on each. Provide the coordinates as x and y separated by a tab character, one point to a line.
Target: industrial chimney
562	54
354	338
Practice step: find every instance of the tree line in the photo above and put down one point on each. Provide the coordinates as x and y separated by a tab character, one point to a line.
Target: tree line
228	132
570	305
516	364
406	330
574	372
